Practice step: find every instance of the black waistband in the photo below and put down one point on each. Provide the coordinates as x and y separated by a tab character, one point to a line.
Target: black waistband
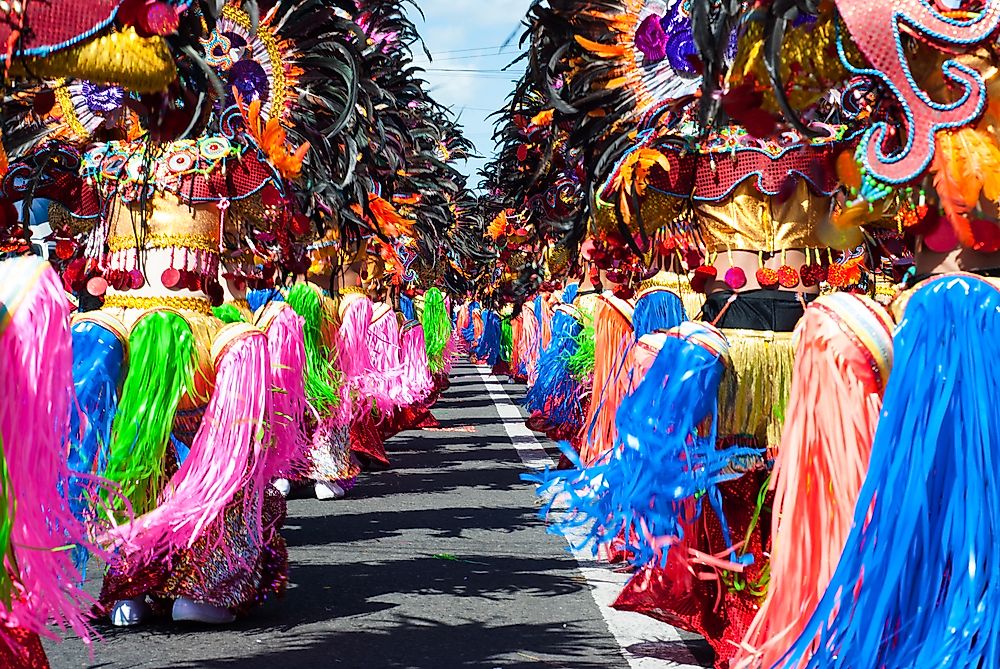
763	310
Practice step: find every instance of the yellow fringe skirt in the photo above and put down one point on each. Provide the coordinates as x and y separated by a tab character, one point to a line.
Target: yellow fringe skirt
754	390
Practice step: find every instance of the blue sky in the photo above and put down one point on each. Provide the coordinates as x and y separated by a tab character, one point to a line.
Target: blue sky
464	36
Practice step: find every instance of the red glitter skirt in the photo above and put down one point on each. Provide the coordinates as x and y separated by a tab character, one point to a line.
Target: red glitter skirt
501	369
441	383
410	418
413	417
537	422
416	416
367	442
21	649
719	610
238	576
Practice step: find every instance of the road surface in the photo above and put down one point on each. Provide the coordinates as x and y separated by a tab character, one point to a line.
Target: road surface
439	563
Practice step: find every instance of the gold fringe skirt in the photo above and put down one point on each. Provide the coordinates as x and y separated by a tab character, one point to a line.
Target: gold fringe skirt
754	390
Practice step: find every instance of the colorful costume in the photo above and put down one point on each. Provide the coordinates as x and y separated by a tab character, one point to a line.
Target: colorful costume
40	582
844	351
930	453
734	190
163	224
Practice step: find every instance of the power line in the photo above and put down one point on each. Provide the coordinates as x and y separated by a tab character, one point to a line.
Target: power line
492	77
512	52
479	48
473	70
506	51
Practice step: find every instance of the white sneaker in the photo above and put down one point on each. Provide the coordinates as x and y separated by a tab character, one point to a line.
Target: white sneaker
188	610
283	486
129	612
326	490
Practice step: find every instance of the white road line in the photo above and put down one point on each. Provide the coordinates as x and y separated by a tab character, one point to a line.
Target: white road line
629	629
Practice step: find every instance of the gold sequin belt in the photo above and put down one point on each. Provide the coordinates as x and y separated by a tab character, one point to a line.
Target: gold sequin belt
200	305
165	241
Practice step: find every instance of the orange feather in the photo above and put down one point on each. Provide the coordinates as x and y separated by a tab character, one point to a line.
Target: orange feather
602	50
272	139
388	219
848	171
966	167
498	226
543	119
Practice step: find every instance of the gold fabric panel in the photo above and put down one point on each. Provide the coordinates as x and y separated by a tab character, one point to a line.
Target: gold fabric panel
657	210
169	223
331	322
243	307
140	64
750	221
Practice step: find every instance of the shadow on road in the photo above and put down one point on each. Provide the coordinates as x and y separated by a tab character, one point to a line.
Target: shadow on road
423	642
438	563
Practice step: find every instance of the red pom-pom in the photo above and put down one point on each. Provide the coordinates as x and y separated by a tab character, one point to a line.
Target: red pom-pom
788	277
809	275
986	235
693	258
702	275
131	13
767	278
44	102
159	19
837	276
170	278
215	294
942	237
65	249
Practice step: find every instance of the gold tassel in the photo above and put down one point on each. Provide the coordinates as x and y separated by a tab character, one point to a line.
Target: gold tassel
140	64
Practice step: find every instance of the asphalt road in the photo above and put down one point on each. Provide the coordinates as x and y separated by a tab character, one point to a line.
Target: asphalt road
437	563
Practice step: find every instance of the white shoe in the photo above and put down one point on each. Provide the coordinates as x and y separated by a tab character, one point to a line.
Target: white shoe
129	612
188	610
283	486
326	490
